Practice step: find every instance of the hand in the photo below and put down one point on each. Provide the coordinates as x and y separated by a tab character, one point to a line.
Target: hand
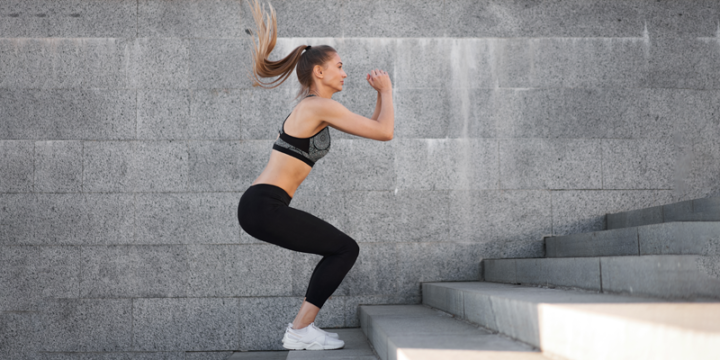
379	80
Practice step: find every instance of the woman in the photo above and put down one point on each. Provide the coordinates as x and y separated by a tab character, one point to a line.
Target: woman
304	138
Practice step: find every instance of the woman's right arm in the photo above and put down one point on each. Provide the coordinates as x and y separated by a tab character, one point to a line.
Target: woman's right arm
380	128
378	106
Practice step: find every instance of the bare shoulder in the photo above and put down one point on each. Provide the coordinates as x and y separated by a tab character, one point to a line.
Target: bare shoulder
324	108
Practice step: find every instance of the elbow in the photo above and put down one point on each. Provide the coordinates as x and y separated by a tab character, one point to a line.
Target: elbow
388	136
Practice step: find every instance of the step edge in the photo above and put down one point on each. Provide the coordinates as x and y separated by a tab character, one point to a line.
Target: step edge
514	323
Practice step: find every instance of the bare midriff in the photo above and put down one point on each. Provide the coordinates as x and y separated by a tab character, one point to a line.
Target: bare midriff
284	171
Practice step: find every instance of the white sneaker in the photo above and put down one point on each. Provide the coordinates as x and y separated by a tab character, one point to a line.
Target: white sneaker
310	338
330	334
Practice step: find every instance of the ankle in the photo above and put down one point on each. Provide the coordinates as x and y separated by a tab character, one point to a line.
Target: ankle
299	326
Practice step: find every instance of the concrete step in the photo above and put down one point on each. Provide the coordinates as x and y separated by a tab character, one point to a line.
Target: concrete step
568	324
356	347
676	238
417	332
259	355
665	276
704	209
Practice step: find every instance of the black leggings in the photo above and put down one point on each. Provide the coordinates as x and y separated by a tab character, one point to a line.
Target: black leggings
264	213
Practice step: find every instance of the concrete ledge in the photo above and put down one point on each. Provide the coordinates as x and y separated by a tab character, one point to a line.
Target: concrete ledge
668	276
703	209
578	272
599	243
651	215
680	238
418	332
664	276
630	331
670	238
508	309
578	325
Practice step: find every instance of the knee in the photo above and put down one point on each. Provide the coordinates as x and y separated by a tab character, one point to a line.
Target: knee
351	248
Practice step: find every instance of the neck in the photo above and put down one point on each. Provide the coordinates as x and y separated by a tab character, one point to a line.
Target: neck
323	92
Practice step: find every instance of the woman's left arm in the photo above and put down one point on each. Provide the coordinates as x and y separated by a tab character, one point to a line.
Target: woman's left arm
378	106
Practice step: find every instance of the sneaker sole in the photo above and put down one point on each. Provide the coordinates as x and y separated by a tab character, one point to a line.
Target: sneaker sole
296	345
285	337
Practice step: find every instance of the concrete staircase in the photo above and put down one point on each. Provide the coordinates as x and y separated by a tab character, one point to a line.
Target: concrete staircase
356	348
645	288
669	251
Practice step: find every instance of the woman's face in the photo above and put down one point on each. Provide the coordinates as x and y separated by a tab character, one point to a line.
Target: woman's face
334	75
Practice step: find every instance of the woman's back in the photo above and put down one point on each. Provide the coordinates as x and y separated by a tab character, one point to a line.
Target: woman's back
290	162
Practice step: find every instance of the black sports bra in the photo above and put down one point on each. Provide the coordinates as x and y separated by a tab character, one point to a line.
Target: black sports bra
309	150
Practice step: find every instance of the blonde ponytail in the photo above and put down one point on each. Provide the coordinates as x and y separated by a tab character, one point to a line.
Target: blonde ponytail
262	67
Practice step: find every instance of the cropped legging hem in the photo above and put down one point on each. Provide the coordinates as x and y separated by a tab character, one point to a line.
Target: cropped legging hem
265	214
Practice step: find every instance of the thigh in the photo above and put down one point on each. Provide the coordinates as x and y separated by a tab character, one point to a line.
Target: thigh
301	231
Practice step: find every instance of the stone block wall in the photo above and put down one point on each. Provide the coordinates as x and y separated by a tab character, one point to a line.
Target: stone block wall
129	130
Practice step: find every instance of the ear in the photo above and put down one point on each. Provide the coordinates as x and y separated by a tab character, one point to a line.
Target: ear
318	71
